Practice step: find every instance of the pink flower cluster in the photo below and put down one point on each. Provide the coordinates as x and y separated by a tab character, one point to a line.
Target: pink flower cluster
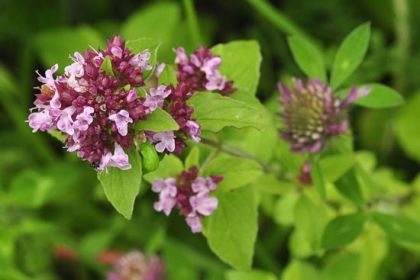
135	265
199	71
311	114
190	194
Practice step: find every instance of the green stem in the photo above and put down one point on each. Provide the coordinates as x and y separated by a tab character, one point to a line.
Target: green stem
234	152
278	19
402	33
192	22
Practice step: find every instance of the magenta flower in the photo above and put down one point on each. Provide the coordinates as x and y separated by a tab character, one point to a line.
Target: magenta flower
136	266
190	194
311	114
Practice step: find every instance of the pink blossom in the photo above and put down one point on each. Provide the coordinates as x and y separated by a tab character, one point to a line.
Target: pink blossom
119	159
194	222
121	119
181	56
165	141
156	97
142	60
194	130
203	203
49	79
40	121
65	122
84	119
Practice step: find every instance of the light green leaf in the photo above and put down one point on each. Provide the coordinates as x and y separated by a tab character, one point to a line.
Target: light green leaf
335	166
249	275
310	219
241	63
158	120
299	270
122	186
380	96
342	230
236	172
308	57
284	208
231	230
350	54
107	66
399	228
214	111
349	186
407	125
170	166
150	158
158	21
193	158
56	45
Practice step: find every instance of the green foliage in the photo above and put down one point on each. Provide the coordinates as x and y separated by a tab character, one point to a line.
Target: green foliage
107	66
350	54
349	186
380	96
406	127
245	72
158	120
342	230
251	275
308	57
170	166
399	228
122	186
150	158
215	112
231	230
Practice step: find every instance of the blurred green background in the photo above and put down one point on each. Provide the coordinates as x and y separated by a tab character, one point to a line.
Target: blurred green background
49	199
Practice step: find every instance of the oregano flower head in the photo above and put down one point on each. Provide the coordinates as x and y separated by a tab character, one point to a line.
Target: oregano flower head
135	265
95	103
311	114
190	194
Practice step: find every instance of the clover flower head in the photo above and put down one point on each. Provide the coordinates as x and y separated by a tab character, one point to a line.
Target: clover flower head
135	265
190	194
312	114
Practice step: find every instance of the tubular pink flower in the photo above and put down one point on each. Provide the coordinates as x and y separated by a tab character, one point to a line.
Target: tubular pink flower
121	119
165	141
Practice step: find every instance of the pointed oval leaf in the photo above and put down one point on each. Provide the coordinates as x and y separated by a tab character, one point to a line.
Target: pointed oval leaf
122	186
380	96
158	120
350	54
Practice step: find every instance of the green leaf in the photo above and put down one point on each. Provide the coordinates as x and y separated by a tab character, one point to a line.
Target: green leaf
335	166
318	178
349	186
350	54
193	158
214	111
236	172
299	270
244	72
249	275
170	166
158	120
107	66
158	21
399	228
342	230
310	219
55	46
380	96
308	57
406	127
284	208
122	186
231	230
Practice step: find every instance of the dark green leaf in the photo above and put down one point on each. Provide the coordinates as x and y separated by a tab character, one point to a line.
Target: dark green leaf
342	230
349	186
